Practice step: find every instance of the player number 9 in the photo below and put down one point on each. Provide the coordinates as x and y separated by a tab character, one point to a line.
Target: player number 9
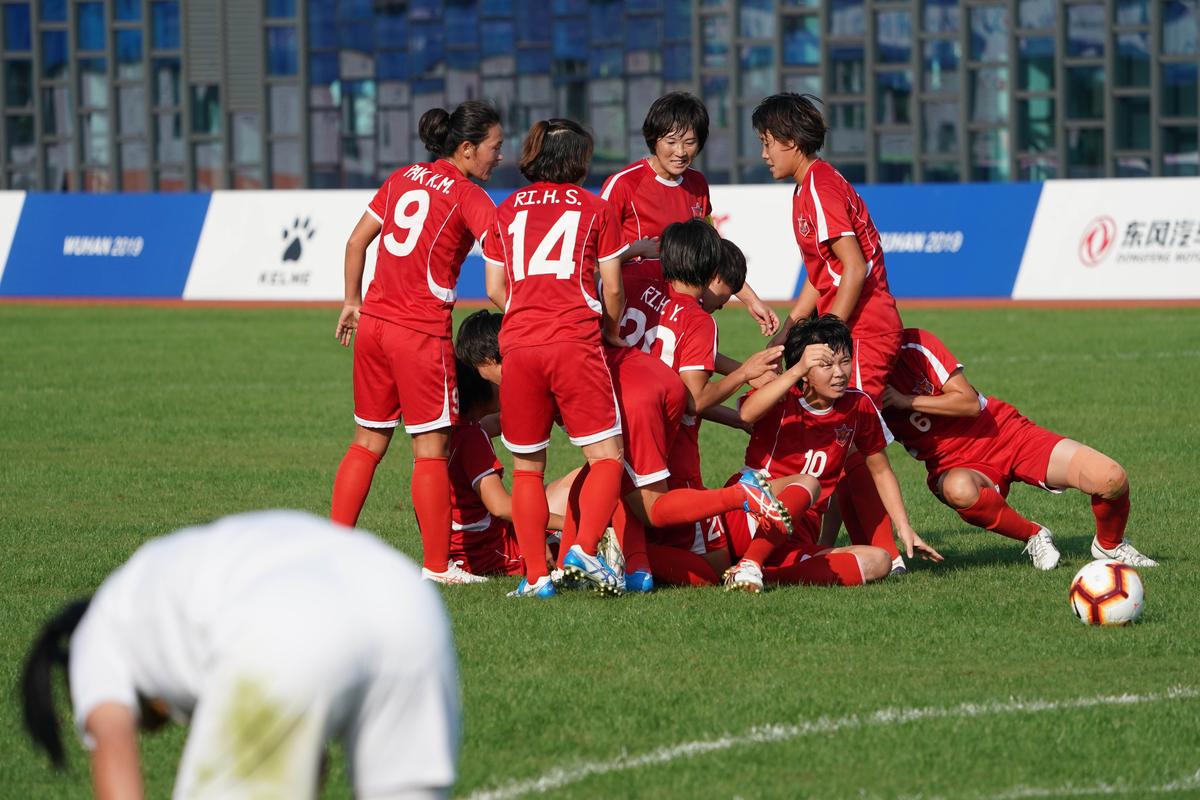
410	223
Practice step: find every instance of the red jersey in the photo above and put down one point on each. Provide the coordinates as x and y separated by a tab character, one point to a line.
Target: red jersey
794	438
549	238
431	216
825	208
472	458
676	329
646	204
922	368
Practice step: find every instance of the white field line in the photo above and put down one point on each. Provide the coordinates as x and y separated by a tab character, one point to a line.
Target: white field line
762	734
1117	788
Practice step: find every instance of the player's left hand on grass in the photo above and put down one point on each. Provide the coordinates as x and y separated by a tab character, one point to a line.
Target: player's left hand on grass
768	321
915	545
347	324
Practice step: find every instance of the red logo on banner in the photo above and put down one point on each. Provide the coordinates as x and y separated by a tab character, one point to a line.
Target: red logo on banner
1097	239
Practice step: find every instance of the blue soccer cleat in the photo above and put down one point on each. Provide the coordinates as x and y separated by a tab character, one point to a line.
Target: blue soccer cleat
593	569
639	582
760	500
542	588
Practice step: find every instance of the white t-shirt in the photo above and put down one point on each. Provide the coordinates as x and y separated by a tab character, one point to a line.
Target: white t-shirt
189	609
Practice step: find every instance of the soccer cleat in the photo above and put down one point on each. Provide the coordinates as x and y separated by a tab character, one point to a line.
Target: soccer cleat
760	500
639	582
1042	551
610	549
744	576
453	575
898	567
542	588
1125	552
593	569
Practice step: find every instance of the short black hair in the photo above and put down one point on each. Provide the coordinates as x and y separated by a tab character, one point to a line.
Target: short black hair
791	117
676	112
443	131
732	267
557	151
473	389
825	329
479	338
690	252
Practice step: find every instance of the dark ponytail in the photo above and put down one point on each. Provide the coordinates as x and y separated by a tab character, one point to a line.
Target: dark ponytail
442	132
557	151
49	650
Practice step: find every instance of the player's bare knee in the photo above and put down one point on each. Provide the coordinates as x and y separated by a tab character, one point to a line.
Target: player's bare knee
959	490
874	563
1114	481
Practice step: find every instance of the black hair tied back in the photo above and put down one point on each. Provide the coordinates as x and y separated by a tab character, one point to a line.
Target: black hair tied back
49	650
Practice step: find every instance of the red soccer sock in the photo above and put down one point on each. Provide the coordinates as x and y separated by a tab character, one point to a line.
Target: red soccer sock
530	515
766	539
796	498
352	484
570	531
597	500
828	569
1111	518
431	502
992	512
681	506
631	535
866	520
678	567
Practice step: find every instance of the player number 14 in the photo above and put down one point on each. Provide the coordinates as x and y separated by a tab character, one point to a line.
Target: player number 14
564	230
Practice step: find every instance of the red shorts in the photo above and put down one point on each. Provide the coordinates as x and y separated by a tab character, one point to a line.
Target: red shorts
741	528
874	357
1022	453
399	371
652	400
571	377
487	549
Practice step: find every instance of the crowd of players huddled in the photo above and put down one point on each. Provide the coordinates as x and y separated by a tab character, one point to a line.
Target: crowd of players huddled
607	329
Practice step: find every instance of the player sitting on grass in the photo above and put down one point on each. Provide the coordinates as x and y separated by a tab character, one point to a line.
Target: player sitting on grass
974	447
672	320
806	424
483	541
652	400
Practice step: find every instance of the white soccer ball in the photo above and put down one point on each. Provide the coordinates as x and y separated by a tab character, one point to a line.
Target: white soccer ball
1107	593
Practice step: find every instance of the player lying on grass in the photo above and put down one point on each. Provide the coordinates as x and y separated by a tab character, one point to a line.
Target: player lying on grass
483	541
652	400
846	275
974	447
549	242
806	423
427	217
671	318
273	633
663	188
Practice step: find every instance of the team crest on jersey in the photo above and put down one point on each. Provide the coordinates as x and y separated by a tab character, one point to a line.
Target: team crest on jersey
923	386
842	434
802	224
698	209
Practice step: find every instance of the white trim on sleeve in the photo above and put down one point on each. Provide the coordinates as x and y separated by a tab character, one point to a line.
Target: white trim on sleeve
624	247
482	475
378	218
612	182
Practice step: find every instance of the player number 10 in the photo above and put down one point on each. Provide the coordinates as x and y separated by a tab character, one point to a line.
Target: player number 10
814	463
565	229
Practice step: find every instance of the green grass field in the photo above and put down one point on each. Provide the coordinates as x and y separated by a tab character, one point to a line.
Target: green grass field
970	679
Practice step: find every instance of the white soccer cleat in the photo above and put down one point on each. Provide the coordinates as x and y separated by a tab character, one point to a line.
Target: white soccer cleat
744	576
1125	552
898	567
1042	551
453	576
610	549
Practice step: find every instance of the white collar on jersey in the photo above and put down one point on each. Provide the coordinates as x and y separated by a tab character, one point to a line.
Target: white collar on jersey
820	412
661	179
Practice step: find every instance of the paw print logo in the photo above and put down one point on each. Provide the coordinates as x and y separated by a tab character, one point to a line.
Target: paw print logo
298	234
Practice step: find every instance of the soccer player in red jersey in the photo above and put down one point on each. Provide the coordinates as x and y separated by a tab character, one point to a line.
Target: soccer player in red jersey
656	191
543	253
430	215
805	423
974	447
483	541
845	273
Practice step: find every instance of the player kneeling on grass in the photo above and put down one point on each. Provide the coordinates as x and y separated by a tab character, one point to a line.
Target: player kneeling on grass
273	632
974	447
483	541
549	242
806	423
